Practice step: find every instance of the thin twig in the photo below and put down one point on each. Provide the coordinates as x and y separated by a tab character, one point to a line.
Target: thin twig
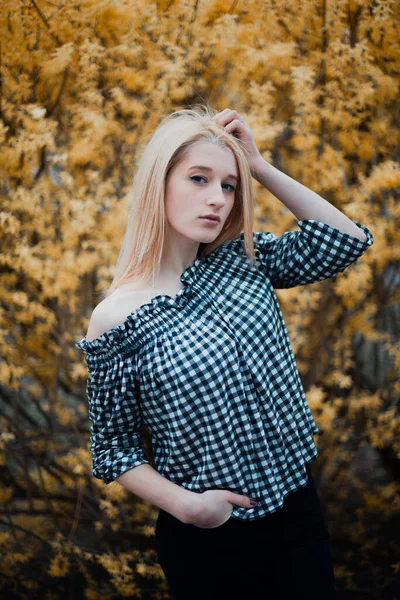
76	515
45	21
60	91
27	532
233	6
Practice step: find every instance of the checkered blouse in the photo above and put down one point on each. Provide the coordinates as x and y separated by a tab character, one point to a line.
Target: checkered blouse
212	374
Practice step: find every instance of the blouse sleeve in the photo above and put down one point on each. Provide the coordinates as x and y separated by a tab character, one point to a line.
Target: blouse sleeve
114	413
315	252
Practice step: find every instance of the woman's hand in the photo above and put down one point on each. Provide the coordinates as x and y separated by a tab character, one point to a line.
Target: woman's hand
214	507
234	124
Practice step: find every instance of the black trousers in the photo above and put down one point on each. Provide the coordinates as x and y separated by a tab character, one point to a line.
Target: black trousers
285	555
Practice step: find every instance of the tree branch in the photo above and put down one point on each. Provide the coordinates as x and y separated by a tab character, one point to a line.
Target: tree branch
45	21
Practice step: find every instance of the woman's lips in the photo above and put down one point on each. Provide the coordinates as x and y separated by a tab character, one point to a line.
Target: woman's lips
209	221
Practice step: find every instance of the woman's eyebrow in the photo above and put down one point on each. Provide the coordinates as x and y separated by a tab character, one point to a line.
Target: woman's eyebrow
211	170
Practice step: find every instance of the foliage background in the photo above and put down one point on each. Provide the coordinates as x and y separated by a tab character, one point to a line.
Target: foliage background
82	83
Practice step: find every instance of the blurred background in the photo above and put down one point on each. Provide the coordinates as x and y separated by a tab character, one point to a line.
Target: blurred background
82	85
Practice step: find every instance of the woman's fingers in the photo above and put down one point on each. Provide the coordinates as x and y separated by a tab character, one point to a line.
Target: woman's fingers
235	125
231	121
220	113
227	116
240	500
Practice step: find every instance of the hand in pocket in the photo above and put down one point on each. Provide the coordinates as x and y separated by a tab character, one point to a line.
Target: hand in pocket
214	508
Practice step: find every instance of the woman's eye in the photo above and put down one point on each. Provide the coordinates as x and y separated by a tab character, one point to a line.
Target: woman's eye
201	179
196	178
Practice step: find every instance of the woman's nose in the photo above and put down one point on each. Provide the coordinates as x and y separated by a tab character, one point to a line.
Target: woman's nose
216	196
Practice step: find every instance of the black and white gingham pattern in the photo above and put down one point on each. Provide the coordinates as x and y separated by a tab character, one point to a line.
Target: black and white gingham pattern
212	374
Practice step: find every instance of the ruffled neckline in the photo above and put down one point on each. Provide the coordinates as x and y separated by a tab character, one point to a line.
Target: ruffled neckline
125	333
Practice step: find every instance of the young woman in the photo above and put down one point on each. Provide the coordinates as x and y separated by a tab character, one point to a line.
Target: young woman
190	340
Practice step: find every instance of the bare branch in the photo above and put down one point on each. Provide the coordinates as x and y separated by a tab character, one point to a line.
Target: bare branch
45	21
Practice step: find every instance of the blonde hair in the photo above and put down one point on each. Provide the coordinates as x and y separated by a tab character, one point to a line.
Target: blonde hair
141	251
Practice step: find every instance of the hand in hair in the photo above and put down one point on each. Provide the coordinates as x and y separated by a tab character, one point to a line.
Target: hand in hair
234	124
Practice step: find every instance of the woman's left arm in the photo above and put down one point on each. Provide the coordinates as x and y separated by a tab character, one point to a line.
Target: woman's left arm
300	200
303	202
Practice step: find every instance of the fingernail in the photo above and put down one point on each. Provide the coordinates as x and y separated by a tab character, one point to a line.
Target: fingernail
253	502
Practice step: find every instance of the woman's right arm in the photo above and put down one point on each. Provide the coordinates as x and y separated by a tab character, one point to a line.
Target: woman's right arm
146	483
206	510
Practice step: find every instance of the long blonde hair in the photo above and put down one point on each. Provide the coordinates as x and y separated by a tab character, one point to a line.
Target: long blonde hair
141	251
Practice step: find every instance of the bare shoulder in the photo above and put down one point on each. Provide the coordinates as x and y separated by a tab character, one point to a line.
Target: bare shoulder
113	310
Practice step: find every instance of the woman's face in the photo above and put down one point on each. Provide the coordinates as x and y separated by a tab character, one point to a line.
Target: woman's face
203	183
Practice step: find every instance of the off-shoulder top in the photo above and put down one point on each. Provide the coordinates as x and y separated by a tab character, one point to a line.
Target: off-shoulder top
212	374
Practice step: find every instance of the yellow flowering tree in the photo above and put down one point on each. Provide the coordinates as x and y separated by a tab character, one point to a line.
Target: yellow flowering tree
82	84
